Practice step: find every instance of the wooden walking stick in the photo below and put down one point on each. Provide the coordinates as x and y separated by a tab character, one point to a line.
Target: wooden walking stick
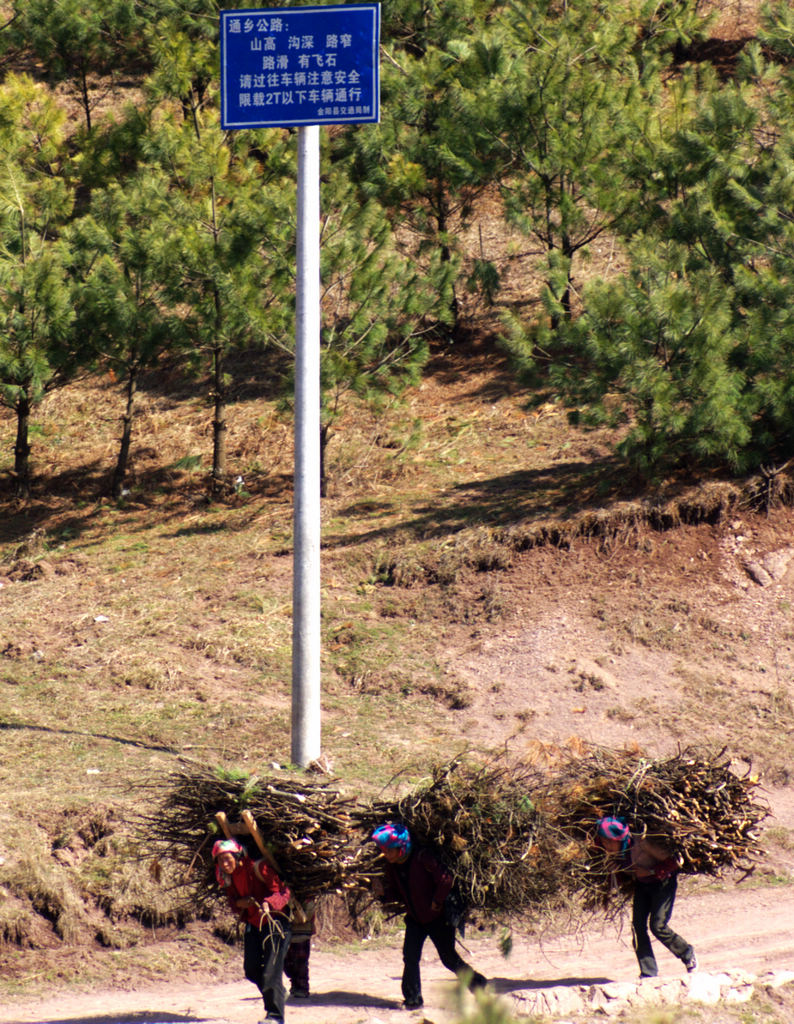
253	830
223	823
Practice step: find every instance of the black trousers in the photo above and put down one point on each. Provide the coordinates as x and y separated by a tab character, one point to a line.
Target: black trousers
442	935
264	950
653	907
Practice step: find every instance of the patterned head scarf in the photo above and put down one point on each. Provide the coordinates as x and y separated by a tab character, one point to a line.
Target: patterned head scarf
225	846
614	828
392	837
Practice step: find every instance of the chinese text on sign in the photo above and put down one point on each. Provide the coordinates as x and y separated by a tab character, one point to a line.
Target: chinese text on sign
299	66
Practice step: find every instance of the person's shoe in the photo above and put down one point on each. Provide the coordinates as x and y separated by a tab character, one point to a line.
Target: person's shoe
414	1004
299	993
691	963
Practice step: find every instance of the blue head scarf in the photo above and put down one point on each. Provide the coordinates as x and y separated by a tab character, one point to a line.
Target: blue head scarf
392	837
614	828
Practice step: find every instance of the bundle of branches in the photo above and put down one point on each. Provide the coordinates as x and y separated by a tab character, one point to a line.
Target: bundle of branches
483	822
694	804
305	824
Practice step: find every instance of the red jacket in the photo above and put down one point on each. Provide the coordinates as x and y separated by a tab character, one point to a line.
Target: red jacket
258	880
419	882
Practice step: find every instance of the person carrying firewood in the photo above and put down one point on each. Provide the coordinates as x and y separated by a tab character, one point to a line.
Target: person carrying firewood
296	964
259	898
416	878
655	871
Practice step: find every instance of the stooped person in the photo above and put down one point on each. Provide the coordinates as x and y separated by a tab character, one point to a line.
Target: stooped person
416	878
655	871
259	898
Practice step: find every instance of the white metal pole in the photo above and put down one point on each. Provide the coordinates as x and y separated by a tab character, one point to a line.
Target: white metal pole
306	529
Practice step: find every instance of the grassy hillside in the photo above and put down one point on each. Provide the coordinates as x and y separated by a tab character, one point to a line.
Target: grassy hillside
491	577
488	577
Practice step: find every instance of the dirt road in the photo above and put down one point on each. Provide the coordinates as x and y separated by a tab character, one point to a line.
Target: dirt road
733	928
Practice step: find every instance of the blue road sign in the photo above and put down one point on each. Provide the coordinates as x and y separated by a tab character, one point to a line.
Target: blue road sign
296	66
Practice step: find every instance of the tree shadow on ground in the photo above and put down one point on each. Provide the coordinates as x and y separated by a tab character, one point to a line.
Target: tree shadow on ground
562	493
471	355
168	493
252	374
509	498
122	740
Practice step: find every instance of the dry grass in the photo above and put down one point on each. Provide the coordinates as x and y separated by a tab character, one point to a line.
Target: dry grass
136	632
161	626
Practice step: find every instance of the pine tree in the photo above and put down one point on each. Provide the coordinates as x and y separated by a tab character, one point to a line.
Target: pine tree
122	273
655	352
378	307
428	161
692	348
230	245
573	108
36	314
77	40
181	38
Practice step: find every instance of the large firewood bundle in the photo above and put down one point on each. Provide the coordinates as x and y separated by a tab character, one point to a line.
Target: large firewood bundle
517	838
306	825
483	823
695	804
